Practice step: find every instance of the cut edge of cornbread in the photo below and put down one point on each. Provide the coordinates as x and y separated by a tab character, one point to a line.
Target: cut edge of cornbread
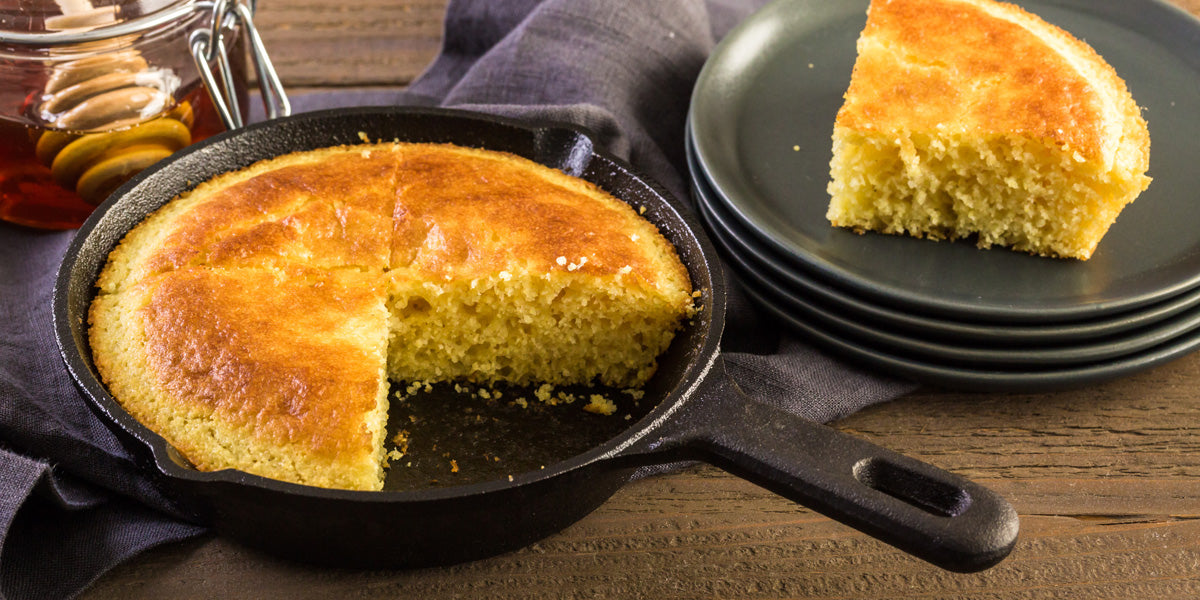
523	328
948	188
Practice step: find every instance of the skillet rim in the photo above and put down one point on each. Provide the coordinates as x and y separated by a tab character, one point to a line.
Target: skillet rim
709	320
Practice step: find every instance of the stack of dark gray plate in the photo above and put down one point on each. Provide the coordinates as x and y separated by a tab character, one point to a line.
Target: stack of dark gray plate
948	313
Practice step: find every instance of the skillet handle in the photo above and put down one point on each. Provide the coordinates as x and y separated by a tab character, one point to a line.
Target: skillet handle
923	510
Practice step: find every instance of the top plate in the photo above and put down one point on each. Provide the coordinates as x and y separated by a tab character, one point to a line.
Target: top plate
762	119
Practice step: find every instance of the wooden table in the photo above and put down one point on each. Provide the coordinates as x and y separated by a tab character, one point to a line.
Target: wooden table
1106	479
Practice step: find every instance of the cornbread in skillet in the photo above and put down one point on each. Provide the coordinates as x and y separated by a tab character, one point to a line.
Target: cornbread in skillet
976	118
254	322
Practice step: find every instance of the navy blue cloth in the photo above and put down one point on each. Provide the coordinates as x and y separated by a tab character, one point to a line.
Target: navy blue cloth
72	502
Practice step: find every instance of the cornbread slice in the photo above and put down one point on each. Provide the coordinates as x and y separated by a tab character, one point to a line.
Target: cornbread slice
254	321
275	372
976	118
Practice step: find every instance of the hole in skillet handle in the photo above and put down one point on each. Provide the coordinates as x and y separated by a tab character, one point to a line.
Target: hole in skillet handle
926	493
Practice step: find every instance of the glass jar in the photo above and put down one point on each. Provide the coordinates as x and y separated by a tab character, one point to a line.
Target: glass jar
94	91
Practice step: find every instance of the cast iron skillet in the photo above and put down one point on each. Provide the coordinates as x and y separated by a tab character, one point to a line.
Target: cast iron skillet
691	410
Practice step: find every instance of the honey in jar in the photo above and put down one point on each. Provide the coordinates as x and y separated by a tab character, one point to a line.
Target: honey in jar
92	94
54	178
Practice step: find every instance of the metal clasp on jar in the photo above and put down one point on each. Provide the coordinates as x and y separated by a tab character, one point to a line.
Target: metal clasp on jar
208	46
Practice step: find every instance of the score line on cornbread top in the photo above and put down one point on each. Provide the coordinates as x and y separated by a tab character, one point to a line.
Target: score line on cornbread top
255	321
976	118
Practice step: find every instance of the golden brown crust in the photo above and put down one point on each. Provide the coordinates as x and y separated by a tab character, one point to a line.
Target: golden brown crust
333	207
325	208
436	210
275	373
464	213
984	67
276	351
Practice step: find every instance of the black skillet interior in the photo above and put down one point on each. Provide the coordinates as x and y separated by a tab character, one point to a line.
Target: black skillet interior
488	438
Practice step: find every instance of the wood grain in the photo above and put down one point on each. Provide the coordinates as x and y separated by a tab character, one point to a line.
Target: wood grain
724	553
353	43
1106	479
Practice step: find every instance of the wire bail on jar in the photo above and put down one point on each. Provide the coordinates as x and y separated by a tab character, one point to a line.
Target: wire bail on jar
208	46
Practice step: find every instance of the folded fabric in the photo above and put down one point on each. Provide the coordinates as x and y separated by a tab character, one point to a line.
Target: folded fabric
72	501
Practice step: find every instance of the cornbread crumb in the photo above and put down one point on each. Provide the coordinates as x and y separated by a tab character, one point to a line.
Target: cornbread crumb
401	442
600	405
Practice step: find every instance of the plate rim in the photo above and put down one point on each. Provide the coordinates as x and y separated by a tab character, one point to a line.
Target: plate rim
983	380
1010	358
